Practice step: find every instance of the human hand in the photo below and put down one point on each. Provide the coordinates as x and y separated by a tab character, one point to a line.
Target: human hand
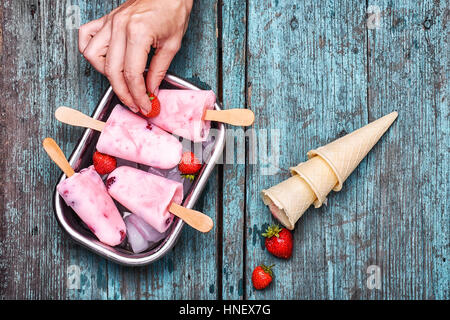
117	45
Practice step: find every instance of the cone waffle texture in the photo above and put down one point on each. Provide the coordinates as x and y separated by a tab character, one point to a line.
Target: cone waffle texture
289	199
344	154
319	176
327	169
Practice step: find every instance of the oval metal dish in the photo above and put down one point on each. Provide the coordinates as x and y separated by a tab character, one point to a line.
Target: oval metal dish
81	157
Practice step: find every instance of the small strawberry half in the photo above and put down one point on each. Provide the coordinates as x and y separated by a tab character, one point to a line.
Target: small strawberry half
278	241
189	164
262	276
103	163
156	107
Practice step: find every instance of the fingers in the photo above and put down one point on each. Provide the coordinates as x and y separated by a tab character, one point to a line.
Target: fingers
160	64
87	31
97	48
114	64
136	53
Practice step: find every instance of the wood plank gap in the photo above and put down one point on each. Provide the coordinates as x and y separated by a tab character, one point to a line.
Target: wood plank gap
368	55
4	272
367	66
219	221
244	236
366	34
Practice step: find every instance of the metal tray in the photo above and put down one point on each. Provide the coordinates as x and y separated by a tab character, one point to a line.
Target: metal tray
81	157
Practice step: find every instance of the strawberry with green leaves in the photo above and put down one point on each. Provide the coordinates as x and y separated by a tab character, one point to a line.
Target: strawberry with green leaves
156	107
278	241
189	165
262	276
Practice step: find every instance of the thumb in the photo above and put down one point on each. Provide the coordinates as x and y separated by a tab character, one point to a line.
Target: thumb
159	65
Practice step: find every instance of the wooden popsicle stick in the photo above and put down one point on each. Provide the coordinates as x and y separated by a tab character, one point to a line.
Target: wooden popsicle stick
55	153
237	117
195	219
77	118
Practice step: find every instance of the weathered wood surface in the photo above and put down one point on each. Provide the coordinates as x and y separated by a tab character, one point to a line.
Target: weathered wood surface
233	42
311	72
318	85
42	69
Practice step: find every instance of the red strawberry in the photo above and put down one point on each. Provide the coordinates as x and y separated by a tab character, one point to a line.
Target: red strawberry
278	241
156	107
103	163
262	276
189	164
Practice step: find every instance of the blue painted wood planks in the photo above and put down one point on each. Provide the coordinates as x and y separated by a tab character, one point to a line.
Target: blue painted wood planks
311	71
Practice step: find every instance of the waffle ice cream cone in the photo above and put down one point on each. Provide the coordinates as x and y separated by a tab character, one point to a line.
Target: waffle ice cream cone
327	169
344	154
288	200
319	176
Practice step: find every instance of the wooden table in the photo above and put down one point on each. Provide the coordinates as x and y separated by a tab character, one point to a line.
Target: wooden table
311	71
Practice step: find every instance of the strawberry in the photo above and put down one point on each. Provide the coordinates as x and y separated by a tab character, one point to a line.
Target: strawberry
103	163
156	107
278	241
189	164
262	276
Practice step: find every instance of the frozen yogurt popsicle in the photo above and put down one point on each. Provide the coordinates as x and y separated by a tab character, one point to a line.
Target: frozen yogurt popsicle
182	112
86	194
153	198
146	195
128	136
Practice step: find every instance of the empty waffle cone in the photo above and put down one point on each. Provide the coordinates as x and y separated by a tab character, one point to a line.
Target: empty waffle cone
327	169
319	176
288	200
344	154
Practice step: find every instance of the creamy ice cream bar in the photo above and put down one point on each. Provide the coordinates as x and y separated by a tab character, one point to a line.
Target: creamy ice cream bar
147	195
182	112
86	194
128	136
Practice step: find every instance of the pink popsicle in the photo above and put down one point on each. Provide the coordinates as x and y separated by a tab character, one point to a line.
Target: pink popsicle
86	193
128	136
146	195
182	112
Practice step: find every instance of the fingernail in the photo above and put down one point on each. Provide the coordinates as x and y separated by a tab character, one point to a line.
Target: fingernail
156	91
146	111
